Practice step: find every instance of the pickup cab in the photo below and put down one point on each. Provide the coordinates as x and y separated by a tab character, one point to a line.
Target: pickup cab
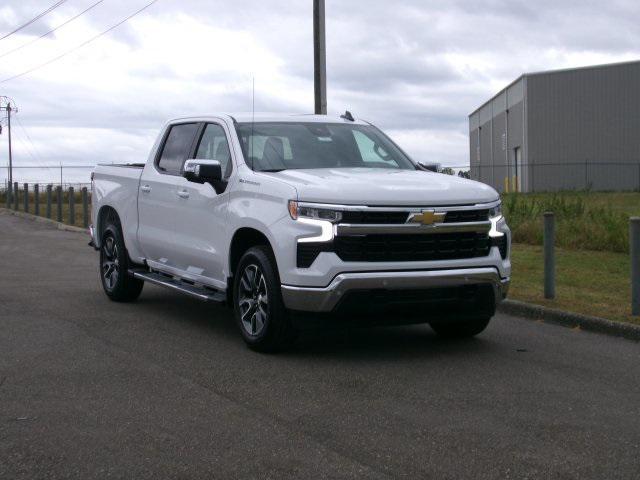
296	219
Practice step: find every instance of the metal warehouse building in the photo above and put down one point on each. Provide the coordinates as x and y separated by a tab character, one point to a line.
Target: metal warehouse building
561	130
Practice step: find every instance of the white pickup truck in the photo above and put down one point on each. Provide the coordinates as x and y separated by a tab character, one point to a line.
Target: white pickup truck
295	219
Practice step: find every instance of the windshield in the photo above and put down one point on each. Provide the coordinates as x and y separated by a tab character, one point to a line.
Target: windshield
283	146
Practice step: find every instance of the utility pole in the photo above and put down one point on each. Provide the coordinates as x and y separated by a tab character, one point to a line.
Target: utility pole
9	105
9	133
319	58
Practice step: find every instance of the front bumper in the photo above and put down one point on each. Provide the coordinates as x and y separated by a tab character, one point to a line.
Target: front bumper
325	299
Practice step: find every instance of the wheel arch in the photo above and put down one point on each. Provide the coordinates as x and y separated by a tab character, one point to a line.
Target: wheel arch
105	214
243	239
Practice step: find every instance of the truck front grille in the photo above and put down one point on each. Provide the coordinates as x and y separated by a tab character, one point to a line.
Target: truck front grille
377	218
411	248
456	216
399	248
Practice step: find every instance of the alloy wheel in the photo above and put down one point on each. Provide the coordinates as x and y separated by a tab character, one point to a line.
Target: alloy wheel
253	300
110	264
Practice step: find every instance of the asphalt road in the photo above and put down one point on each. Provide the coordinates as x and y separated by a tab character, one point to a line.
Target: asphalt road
165	388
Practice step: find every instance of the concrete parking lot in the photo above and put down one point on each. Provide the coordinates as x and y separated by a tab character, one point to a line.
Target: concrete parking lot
165	388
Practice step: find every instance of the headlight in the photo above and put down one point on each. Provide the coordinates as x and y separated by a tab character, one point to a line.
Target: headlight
298	210
495	212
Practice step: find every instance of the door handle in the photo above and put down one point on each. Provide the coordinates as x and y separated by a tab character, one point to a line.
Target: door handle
145	188
183	194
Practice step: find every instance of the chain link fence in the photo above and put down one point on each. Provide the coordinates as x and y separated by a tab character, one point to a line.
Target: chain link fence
557	176
504	177
65	176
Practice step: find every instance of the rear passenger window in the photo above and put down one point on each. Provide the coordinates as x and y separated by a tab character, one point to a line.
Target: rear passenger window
177	148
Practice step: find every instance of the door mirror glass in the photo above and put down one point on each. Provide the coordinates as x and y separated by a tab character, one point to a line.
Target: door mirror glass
202	171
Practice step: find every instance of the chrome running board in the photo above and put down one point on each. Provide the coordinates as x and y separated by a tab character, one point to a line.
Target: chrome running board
201	293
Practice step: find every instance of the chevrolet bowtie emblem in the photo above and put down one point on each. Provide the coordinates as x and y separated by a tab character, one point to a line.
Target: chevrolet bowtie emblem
427	217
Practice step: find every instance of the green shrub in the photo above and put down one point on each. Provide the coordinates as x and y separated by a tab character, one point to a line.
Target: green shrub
583	221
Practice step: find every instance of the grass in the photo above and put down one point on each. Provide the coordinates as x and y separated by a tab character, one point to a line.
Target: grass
592	235
584	220
587	282
54	207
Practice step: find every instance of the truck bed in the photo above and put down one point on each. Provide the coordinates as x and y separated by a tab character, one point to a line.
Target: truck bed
122	165
117	186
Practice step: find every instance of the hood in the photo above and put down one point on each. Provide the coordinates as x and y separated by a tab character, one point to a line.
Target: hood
384	187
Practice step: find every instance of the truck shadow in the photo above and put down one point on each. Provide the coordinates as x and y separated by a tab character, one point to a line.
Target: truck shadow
217	325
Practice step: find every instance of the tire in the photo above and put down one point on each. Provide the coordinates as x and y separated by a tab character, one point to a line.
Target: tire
114	266
460	328
257	302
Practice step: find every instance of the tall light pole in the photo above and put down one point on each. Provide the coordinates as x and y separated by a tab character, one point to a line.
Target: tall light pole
9	106
319	58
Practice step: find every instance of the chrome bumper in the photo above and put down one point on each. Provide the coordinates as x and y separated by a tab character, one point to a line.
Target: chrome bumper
325	299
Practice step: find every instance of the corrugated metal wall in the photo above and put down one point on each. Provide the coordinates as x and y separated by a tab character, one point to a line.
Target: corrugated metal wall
584	128
577	129
495	130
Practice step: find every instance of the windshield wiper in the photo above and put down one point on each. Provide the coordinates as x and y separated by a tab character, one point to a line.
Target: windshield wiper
272	170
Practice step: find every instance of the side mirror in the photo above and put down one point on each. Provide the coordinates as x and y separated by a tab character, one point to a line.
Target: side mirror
202	171
429	167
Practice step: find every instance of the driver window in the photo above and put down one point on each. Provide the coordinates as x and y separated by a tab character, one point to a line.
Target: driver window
214	146
371	152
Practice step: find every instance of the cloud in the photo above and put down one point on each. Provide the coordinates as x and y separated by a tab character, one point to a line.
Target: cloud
416	68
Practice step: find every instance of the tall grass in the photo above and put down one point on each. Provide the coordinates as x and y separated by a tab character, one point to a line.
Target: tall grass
580	222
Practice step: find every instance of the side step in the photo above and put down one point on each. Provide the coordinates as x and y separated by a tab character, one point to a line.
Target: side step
201	293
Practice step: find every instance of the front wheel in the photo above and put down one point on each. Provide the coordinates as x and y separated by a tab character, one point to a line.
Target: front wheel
460	328
258	307
114	265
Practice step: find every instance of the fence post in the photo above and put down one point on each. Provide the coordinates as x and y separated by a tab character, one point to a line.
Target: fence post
25	198
59	198
85	207
15	195
586	174
549	256
634	244
49	201
36	199
72	206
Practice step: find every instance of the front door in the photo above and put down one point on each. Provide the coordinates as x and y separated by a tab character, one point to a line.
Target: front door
202	233
158	195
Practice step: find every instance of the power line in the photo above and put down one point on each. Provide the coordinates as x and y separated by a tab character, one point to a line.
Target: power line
27	149
55	59
90	7
34	19
26	134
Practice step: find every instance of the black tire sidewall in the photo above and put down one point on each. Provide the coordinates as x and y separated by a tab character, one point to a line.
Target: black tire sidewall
461	328
126	288
277	329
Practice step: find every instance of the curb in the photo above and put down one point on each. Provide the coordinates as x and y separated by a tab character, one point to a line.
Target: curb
35	218
569	319
510	307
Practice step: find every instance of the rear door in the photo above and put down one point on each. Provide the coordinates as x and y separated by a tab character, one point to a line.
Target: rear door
158	195
202	231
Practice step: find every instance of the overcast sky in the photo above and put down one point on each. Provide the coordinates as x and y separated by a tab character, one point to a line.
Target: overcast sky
416	68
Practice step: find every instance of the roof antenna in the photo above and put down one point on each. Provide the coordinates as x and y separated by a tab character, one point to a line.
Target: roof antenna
253	118
347	116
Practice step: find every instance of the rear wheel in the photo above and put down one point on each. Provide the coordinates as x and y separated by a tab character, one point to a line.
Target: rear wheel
460	328
114	265
259	311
